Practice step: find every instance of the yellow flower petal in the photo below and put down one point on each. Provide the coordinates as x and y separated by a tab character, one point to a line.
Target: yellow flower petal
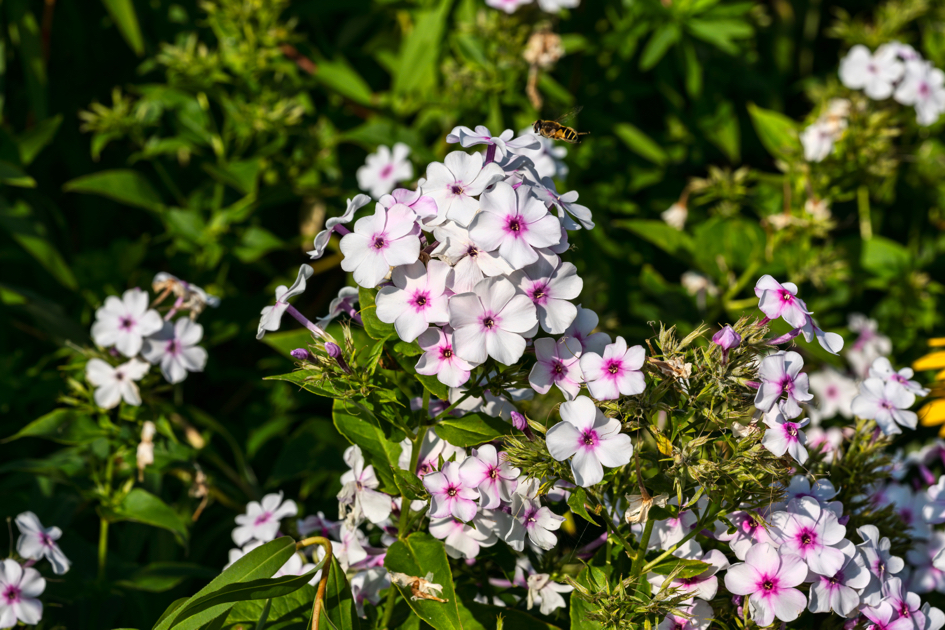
932	413
934	361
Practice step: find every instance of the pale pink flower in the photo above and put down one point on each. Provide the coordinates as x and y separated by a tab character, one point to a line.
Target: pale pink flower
175	348
440	360
780	300
449	496
582	329
530	518
387	239
461	539
884	370
809	532
417	299
785	436
906	604
768	578
383	169
616	372
833	393
558	364
749	531
490	472
422	205
125	322
20	588
261	521
926	577
924	87
780	373
514	223
874	73
550	284
545	592
469	262
881	616
490	321
114	384
590	438
454	185
503	143
37	542
698	617
840	592
887	403
359	490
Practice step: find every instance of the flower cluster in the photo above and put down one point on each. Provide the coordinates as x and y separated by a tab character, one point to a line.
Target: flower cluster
131	328
21	584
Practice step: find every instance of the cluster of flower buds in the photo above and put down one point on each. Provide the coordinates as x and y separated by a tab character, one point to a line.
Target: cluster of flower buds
131	328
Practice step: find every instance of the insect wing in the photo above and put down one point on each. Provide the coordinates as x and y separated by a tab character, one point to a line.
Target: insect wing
569	114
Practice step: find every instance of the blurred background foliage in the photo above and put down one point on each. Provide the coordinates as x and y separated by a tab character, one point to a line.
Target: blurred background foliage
211	140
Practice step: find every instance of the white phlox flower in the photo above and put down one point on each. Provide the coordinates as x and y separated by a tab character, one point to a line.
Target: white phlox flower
545	592
262	519
383	169
37	542
114	384
125	322
175	349
359	497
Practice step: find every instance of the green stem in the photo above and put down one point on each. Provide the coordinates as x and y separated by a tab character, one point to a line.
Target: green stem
637	567
863	204
102	547
451	407
711	513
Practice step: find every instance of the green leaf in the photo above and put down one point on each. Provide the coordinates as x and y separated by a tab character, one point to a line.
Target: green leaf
576	502
123	14
720	33
375	328
65	426
34	140
13	175
777	132
686	568
340	77
472	429
434	386
140	506
175	605
242	175
122	185
26	35
475	615
666	237
663	37
362	428
340	608
261	562
285	341
255	243
418	556
419	52
30	234
408	349
738	242
885	258
309	380
293	609
640	143
594	580
722	130
409	484
158	577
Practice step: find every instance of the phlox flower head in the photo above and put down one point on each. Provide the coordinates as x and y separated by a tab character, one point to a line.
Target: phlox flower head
455	184
923	86
114	384
503	143
785	436
271	316
810	532
514	223
386	239
884	370
449	495
698	617
780	374
558	364
529	518
749	531
37	542
440	360
615	372
887	403
469	261
590	439
582	329
383	169
926	576
461	539
19	589
359	490
840	592
125	322
780	300
869	344
417	299
262	519
768	579
546	593
884	617
322	238
874	73
490	472
490	321
175	349
550	284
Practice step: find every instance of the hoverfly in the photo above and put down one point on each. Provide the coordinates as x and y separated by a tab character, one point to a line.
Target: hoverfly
556	131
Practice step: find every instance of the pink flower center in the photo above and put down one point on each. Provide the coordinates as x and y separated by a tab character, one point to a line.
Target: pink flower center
452	491
768	585
924	90
263	518
493	472
457	188
446	352
515	226
11	595
489	321
786	296
831	392
45	540
126	323
806	538
558	370
539	293
900	378
380	241
787	384
173	347
473	251
420	300
589	438
791	430
613	366
386	171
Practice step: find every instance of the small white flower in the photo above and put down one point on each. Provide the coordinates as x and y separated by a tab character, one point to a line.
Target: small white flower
874	73
359	490
818	140
454	184
675	216
271	316
37	542
923	86
115	384
886	403
553	6
175	348
545	592
124	323
382	170
19	589
261	521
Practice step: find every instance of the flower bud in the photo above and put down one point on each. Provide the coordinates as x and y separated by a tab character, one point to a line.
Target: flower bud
727	339
301	354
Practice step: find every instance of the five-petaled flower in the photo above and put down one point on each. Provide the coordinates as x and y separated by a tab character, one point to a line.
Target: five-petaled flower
440	360
615	372
490	472
175	348
417	299
558	364
590	439
386	239
780	373
455	183
125	322
37	542
785	436
383	169
490	321
780	300
768	579
19	589
887	403
810	532
114	384
359	490
261	521
449	494
551	285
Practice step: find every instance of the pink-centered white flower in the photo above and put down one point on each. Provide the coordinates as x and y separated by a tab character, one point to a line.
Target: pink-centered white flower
37	542
359	490
768	579
887	403
615	372
785	436
926	577
389	238
695	616
923	86
558	364
490	321
810	532
175	349
573	216
780	300
545	592
883	617
551	284
440	360
383	169
456	183
780	374
582	329
529	518
449	495
422	205
749	531
262	519
417	299
271	316
840	592
590	439
874	73
125	322
469	261
818	140
884	370
503	143
833	392
20	588
114	384
461	539
515	223
490	472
